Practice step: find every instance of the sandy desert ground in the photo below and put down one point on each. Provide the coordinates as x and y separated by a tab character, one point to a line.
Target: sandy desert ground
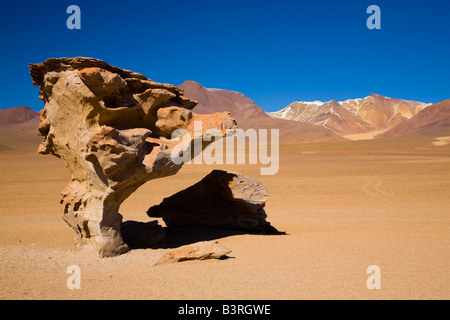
343	208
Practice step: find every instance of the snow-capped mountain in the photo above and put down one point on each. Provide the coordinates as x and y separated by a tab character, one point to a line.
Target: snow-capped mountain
353	116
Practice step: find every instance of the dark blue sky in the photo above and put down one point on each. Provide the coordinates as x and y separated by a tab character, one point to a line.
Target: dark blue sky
274	52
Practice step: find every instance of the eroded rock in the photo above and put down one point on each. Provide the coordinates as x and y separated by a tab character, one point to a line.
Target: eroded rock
221	199
112	129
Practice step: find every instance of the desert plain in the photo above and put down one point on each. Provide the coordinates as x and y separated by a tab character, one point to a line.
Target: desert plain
343	206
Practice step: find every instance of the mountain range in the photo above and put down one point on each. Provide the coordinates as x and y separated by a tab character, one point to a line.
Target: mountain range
374	113
374	116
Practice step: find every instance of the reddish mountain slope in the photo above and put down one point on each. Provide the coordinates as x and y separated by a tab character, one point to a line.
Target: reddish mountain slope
249	115
16	115
18	129
432	121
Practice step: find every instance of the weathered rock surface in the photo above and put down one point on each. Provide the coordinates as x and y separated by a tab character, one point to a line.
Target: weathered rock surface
112	129
196	251
221	199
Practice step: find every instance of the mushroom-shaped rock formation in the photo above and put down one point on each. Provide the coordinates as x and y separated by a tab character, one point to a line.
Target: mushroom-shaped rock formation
112	128
221	199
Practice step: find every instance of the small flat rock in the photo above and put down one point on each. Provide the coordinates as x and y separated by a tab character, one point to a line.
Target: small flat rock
197	251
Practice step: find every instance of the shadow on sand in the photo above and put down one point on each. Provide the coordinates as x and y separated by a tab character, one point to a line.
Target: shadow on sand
140	235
